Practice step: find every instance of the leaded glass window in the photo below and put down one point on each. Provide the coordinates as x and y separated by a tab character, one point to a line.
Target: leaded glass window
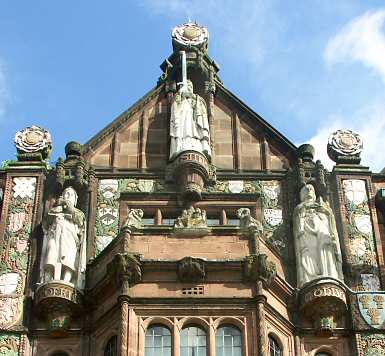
193	342
158	341
274	348
228	341
111	348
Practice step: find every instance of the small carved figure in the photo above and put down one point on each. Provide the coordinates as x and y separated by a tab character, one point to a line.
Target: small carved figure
246	221
64	246
191	218
134	219
316	239
189	127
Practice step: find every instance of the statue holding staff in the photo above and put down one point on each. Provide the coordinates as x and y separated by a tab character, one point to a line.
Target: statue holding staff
317	245
189	127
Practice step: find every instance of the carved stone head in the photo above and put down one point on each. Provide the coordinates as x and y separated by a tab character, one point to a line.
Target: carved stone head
307	193
69	194
190	86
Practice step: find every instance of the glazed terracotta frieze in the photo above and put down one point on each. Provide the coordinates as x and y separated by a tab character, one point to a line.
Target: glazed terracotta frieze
361	249
14	255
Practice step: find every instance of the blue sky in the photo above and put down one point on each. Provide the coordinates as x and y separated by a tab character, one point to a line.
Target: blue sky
308	67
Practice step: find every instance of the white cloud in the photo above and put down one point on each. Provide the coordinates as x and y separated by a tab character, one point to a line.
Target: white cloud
362	40
369	122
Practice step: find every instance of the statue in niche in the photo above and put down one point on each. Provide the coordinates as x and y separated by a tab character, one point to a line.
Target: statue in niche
189	126
64	245
317	245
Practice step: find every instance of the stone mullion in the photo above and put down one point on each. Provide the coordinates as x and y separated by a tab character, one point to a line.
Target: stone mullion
176	339
92	212
212	350
236	141
210	90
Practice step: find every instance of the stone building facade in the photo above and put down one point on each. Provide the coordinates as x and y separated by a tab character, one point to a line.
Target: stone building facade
190	226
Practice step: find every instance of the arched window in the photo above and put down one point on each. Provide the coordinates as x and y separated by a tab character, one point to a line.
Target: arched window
111	348
158	341
322	353
228	341
193	342
274	348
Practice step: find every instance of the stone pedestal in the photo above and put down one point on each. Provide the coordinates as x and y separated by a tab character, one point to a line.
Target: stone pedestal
323	302
191	171
58	302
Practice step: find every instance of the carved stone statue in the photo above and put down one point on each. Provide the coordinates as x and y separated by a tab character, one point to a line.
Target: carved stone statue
189	127
246	221
191	218
134	219
64	245
317	245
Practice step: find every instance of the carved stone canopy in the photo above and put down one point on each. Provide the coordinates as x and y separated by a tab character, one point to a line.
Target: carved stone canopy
191	269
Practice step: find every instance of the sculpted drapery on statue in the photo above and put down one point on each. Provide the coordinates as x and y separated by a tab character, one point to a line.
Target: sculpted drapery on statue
189	127
316	239
64	245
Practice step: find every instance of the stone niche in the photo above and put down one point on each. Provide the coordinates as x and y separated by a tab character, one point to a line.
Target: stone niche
323	302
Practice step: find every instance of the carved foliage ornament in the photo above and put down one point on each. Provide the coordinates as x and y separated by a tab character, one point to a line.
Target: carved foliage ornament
191	269
345	142
33	139
125	267
9	344
190	34
258	268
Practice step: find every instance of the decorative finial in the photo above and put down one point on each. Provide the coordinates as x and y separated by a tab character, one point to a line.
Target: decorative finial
345	147
190	34
33	144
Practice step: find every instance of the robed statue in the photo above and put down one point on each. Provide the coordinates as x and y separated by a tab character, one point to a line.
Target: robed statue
317	245
64	245
189	125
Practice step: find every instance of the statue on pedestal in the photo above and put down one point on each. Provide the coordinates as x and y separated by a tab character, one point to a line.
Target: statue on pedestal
64	245
316	239
189	126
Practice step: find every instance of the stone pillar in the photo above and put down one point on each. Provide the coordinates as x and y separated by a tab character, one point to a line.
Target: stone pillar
261	322
123	327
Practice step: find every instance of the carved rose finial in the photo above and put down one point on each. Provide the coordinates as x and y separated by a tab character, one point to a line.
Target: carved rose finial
32	139
190	34
345	146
